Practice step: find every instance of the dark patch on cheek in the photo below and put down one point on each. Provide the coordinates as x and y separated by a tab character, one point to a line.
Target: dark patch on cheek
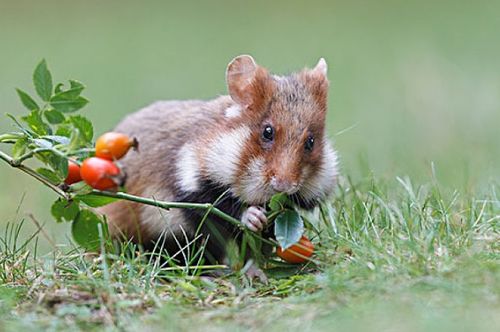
316	158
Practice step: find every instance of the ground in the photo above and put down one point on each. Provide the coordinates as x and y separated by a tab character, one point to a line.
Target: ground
392	256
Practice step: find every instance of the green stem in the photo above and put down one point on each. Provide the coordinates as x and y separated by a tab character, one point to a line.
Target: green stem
168	205
7	138
12	162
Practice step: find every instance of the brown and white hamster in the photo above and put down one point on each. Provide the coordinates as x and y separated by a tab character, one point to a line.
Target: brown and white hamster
266	137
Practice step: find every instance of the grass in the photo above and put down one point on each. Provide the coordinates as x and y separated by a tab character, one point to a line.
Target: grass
390	256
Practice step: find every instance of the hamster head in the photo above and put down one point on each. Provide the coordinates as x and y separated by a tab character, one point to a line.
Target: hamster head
274	135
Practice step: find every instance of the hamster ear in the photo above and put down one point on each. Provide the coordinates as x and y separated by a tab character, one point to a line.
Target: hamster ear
321	68
246	81
318	83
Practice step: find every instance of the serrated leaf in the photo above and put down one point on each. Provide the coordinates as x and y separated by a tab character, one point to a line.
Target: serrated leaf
42	79
74	90
27	101
95	200
19	148
54	117
84	127
85	230
58	88
64	130
278	202
63	210
35	122
57	163
67	105
288	228
50	175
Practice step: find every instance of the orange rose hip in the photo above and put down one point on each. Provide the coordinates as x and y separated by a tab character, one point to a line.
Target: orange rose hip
113	146
297	253
100	173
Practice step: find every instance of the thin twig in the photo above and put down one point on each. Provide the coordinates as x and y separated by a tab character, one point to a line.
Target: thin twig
168	205
33	173
42	230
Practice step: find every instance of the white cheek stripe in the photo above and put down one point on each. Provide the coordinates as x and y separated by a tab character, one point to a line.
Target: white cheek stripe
187	169
253	187
222	158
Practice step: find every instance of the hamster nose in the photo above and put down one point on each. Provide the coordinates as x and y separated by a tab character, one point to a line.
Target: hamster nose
283	185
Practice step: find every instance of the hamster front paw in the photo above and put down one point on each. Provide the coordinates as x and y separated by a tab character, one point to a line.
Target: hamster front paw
254	218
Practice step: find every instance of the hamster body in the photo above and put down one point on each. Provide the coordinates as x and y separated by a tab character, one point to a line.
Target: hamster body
267	136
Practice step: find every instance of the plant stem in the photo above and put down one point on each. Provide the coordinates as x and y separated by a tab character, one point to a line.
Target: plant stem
168	205
12	162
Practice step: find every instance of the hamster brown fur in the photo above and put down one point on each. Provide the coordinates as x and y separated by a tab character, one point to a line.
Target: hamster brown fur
267	136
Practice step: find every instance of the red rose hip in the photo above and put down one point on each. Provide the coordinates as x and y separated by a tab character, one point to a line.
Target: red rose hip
73	173
101	174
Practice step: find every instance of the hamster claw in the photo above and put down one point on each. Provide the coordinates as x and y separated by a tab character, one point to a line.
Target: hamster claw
254	218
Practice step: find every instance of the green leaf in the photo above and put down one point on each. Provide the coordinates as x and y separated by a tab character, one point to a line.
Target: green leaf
27	101
95	200
278	202
42	80
63	210
65	104
85	230
58	163
53	116
81	188
19	148
288	228
49	175
74	90
36	123
84	127
64	130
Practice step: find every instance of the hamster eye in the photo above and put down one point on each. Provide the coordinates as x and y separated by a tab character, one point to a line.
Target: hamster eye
309	143
268	133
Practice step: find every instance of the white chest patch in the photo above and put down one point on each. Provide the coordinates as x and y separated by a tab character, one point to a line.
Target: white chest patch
233	111
188	169
222	158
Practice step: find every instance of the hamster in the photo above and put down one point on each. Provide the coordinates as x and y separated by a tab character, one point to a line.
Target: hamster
266	137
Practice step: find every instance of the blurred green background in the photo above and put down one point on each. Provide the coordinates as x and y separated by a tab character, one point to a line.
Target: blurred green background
413	82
